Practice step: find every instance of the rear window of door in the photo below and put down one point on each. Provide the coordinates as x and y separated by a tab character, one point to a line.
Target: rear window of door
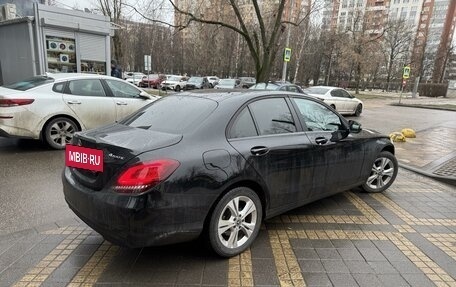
272	116
87	87
243	126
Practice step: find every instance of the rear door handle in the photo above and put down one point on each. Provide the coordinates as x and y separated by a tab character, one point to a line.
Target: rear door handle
259	150
321	140
121	103
74	102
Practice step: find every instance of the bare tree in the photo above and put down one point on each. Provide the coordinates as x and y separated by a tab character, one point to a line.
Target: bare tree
397	41
113	9
262	37
363	43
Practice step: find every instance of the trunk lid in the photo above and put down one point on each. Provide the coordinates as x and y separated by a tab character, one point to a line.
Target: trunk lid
8	92
119	144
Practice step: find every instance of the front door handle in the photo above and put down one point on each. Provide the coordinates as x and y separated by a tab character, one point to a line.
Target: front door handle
259	150
121	103
321	140
74	102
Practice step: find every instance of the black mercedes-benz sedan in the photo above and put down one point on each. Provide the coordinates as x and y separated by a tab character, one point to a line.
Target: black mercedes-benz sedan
220	163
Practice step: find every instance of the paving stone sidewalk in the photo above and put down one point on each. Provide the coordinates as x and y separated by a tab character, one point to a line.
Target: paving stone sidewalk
432	152
405	236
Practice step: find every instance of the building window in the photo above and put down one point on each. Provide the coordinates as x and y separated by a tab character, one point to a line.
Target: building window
413	12
403	13
61	55
93	67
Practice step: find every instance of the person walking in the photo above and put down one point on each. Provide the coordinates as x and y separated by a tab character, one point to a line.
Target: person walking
115	71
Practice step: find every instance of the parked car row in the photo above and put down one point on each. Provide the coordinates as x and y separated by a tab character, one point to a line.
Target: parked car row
179	83
338	98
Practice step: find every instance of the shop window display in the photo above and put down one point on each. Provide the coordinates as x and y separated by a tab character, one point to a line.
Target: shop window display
61	55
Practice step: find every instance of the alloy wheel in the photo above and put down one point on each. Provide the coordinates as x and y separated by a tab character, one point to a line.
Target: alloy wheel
381	174
237	222
62	132
59	132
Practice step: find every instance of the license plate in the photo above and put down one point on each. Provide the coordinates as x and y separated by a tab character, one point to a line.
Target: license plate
83	157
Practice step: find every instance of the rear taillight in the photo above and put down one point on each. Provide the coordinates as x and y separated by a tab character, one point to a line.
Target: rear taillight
15	102
140	177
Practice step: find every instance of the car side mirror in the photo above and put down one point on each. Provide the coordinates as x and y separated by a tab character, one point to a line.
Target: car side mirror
355	127
145	96
339	135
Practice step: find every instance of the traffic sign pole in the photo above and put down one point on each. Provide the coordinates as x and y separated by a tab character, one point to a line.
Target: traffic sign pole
405	76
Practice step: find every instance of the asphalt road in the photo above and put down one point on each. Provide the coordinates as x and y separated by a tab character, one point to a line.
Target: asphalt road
31	189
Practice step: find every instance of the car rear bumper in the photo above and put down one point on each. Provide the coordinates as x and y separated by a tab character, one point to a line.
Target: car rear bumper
134	221
19	122
16	132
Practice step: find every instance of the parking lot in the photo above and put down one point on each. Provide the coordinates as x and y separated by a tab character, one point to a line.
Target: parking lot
403	237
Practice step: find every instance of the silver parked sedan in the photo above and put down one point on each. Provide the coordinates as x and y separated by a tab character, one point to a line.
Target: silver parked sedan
53	107
338	98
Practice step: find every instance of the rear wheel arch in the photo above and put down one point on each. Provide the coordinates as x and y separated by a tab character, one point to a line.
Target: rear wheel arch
60	116
243	183
43	127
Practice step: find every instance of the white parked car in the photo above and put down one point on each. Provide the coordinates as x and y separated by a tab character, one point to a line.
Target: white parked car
176	83
53	107
213	80
134	77
338	98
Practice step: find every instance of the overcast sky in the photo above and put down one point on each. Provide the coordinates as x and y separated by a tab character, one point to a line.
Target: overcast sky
80	4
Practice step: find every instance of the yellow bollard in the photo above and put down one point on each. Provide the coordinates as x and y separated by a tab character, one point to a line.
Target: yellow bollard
397	137
409	133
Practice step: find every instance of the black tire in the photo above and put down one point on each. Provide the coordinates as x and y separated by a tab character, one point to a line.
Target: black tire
59	131
177	88
359	110
237	223
381	176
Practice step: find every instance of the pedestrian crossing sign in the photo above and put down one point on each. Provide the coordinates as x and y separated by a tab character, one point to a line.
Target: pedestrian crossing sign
406	72
287	55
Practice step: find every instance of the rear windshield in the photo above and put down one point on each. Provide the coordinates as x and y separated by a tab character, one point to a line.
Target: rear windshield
173	114
30	83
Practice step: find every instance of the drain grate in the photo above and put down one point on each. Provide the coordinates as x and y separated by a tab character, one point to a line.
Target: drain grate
447	169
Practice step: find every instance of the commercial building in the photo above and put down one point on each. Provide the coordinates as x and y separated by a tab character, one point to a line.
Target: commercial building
53	40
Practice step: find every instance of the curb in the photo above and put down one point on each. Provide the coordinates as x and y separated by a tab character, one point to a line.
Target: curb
422	107
447	180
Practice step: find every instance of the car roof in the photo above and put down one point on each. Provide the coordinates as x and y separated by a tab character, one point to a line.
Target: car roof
72	76
327	87
246	94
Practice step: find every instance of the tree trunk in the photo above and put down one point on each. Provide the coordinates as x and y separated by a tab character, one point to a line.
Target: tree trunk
388	76
117	47
358	77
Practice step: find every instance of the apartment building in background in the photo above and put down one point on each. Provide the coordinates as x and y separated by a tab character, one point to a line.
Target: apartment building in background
433	22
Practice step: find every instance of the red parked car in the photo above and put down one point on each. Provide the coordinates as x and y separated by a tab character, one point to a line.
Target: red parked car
152	81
